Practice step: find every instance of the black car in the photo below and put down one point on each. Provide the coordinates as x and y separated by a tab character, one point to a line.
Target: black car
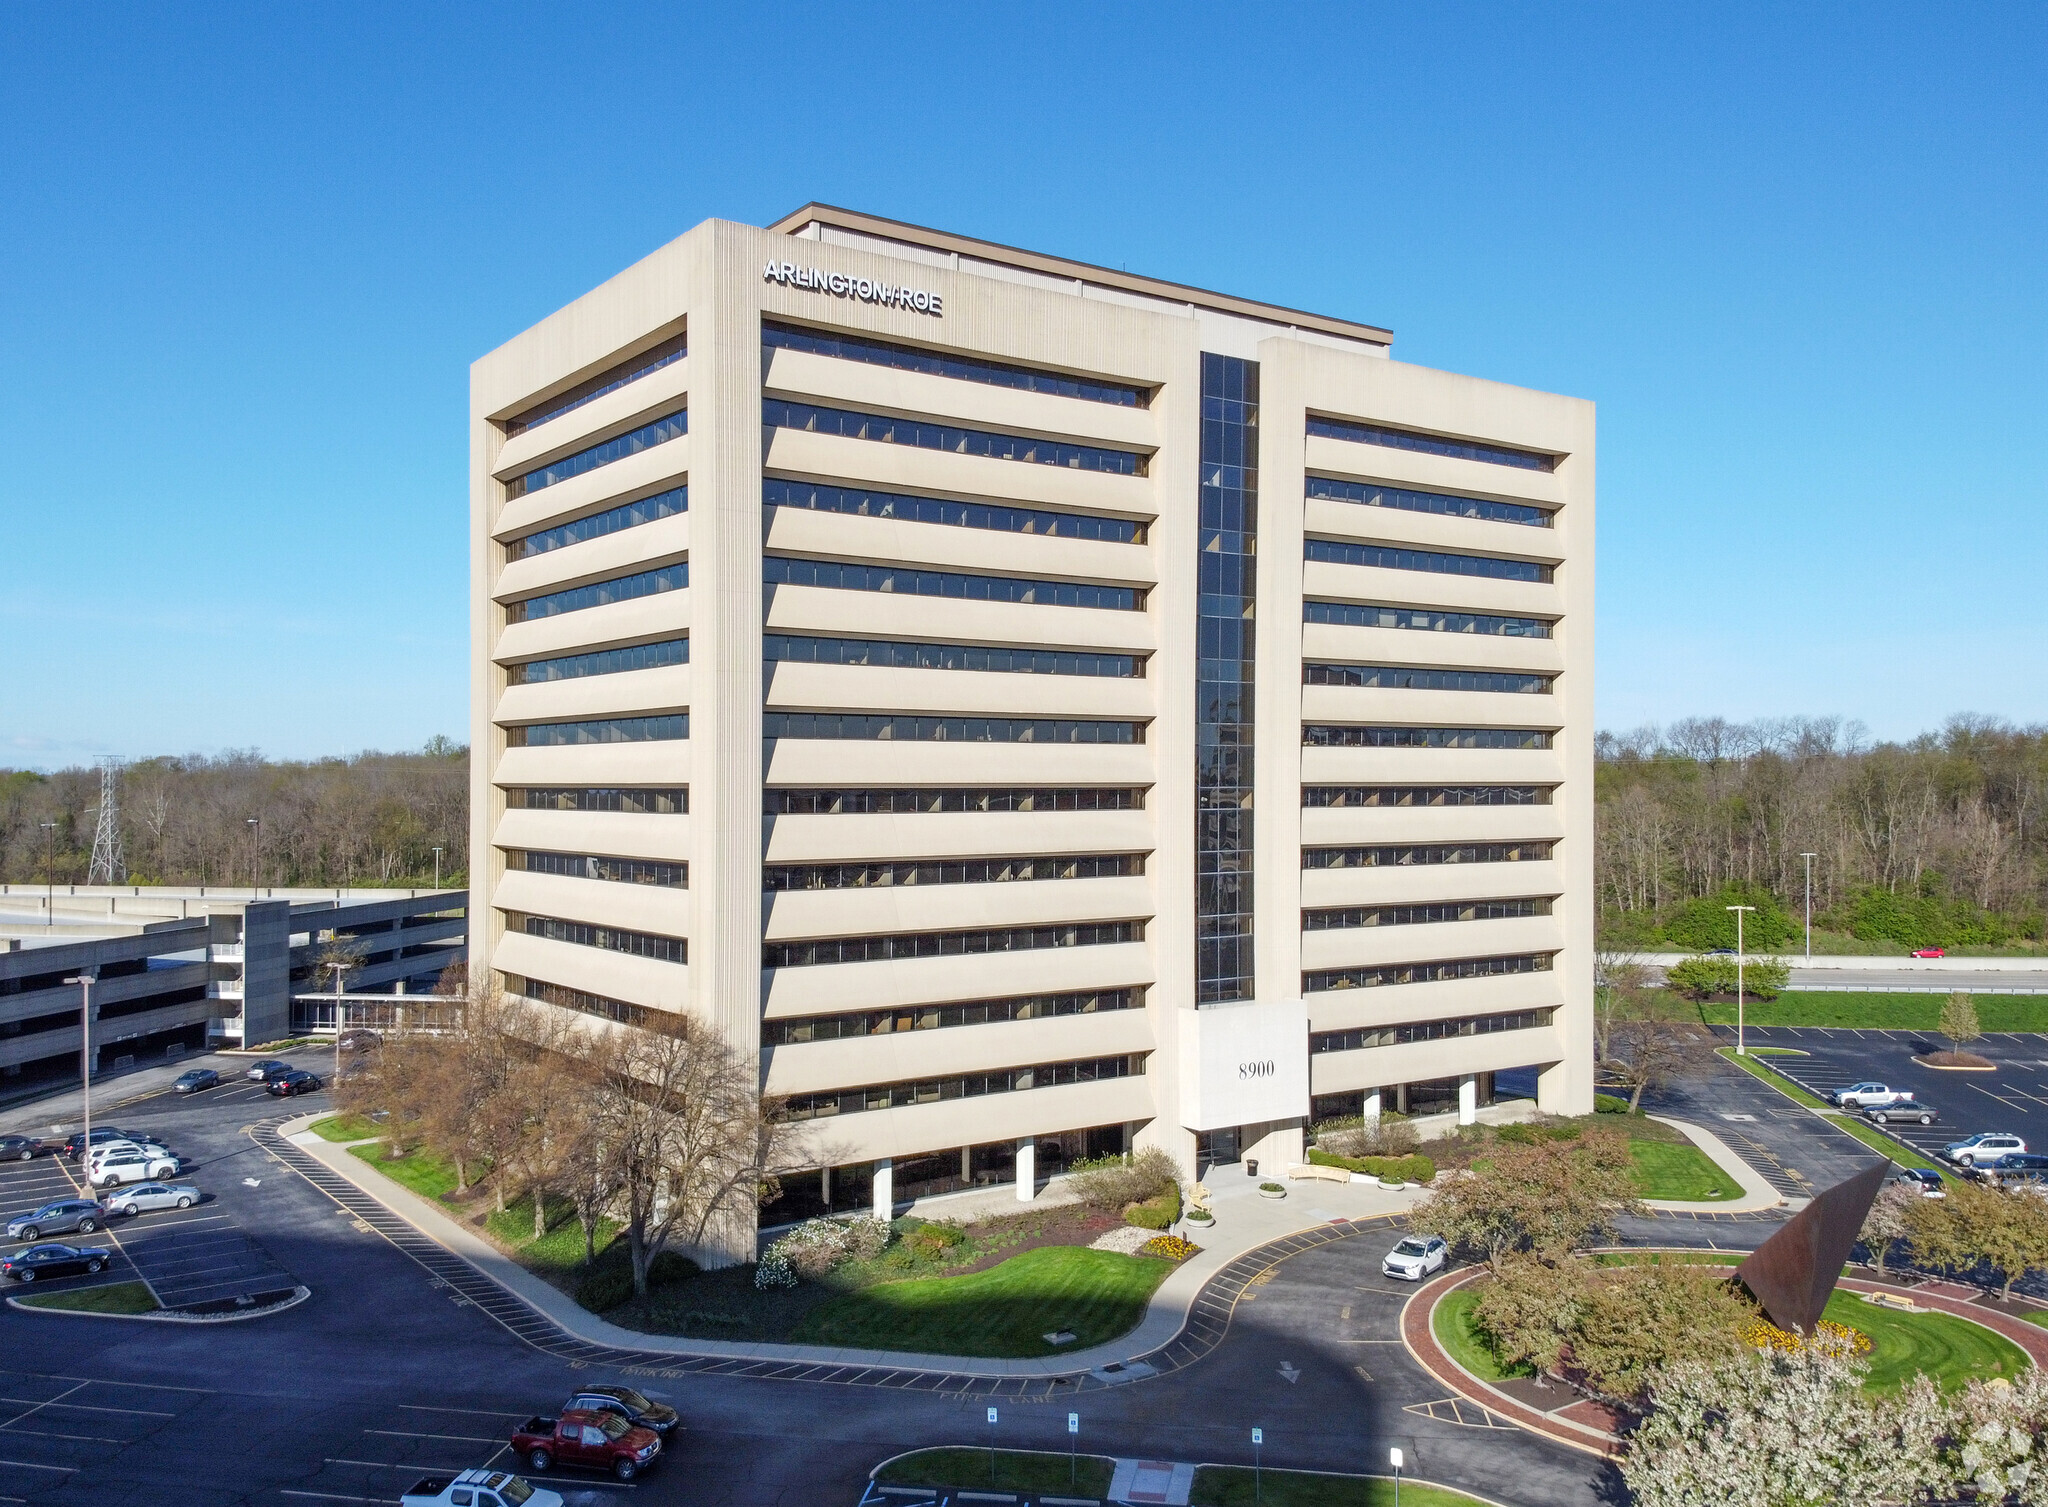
101	1134
21	1148
637	1410
53	1261
297	1081
192	1080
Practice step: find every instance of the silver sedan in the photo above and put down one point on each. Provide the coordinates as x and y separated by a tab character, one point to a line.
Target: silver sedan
144	1197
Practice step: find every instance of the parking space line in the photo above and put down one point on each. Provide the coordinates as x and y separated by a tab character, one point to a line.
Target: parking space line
32	1465
418	1407
86	1407
10	1423
325	1496
458	1438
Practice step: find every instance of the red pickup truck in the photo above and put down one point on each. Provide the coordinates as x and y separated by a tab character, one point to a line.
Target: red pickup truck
601	1441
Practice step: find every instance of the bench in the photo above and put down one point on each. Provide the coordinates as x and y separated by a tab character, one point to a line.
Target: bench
1309	1171
1892	1300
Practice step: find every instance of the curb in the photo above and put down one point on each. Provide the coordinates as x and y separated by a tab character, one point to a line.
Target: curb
171	1315
1757	1193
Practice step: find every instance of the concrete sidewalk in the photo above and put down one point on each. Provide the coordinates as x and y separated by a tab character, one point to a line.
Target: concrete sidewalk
1757	1193
1244	1220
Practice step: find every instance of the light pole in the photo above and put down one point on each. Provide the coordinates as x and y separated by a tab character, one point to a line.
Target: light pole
84	982
437	868
255	831
50	874
1741	1049
1809	857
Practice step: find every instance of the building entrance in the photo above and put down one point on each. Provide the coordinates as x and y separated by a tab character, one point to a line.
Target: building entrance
1215	1148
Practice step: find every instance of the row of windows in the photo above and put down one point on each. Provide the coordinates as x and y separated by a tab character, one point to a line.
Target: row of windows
947	944
1001	517
1394	557
632	369
632	442
1426	1030
945	364
863	876
1424	854
589	1004
597	866
641	801
926	435
1372	495
1425	795
645	583
1350	917
597	525
842	575
903	728
1413	678
1422	973
925	802
1320	736
970	1086
1427	619
661	729
800	1029
896	655
1430	444
639	944
671	651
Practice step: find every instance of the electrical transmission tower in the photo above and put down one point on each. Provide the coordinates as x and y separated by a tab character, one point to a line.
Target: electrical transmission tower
108	865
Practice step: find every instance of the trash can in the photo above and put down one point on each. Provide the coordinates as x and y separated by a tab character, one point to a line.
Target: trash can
1251	1166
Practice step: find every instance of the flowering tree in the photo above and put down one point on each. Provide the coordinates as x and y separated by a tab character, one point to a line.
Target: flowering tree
1889	1219
1549	1197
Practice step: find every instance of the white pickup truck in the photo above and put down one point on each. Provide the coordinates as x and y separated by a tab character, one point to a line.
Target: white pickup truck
1870	1096
479	1488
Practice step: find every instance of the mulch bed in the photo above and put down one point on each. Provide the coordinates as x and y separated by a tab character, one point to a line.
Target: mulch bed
1013	1234
1968	1061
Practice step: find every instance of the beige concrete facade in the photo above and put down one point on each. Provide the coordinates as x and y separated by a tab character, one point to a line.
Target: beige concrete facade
715	286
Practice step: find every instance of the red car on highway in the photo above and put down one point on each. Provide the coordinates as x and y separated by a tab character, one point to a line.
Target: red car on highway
1930	952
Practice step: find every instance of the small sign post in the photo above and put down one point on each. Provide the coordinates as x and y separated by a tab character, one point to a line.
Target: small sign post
1394	1458
991	1446
1073	1448
1258	1481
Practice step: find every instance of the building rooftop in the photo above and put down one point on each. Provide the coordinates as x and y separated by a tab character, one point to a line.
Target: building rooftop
815	221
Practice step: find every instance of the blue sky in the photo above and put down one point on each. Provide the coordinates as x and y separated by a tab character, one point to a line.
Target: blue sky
1794	253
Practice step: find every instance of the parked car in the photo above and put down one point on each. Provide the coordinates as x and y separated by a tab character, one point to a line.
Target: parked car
1869	1096
146	1197
58	1218
1982	1148
479	1488
21	1148
629	1405
267	1069
149	1151
102	1135
113	1168
1415	1257
1907	1108
360	1040
1929	952
596	1439
2011	1168
192	1080
53	1261
1927	1181
297	1081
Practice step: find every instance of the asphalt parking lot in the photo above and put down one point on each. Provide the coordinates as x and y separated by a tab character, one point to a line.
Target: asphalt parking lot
2014	1097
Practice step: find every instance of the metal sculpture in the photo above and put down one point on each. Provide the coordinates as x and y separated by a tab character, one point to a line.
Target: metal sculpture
1793	1274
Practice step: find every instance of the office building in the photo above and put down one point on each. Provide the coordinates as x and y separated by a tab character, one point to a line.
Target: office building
1032	710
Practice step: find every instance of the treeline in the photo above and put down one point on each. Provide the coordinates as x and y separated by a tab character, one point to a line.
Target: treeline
372	820
1934	842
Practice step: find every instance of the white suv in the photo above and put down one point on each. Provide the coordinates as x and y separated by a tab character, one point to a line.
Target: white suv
1415	1257
1987	1147
116	1165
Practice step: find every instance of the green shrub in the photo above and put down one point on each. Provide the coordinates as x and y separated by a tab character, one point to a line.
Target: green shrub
1607	1104
1111	1182
1761	977
669	1268
1409	1169
1707	922
609	1284
932	1240
1157	1212
1517	1135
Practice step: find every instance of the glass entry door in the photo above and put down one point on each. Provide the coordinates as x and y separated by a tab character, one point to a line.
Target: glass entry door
1216	1148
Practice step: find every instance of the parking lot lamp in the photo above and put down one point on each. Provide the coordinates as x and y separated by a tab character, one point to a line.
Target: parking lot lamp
1741	1049
1809	857
255	824
84	982
49	873
340	967
437	868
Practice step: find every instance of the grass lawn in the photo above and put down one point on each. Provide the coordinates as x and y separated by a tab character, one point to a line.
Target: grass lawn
426	1174
1665	1169
1464	1344
1884	1145
345	1128
1004	1311
115	1297
1949	1349
1236	1486
1887	1012
557	1255
1015	1470
1778	1052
